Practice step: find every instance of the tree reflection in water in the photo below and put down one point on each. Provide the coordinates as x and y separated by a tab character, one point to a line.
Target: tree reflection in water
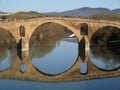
105	48
45	39
7	49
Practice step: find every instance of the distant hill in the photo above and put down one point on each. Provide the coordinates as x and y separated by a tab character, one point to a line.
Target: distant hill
33	12
84	12
117	11
2	12
95	13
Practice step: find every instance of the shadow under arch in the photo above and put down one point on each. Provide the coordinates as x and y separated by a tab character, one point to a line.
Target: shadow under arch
104	48
47	39
8	49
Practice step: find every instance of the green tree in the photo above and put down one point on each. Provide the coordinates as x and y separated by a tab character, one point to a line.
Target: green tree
106	16
24	15
3	17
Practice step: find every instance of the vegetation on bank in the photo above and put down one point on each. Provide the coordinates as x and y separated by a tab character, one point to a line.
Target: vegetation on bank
105	43
106	35
22	15
6	38
106	16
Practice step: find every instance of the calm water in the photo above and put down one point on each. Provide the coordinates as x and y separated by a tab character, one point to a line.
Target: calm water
59	59
106	57
7	62
102	84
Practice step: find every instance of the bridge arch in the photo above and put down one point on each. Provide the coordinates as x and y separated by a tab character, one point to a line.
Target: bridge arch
8	52
60	22
95	29
5	30
74	60
105	43
106	30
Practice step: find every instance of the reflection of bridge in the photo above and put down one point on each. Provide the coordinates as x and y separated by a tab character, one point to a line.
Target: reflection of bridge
71	75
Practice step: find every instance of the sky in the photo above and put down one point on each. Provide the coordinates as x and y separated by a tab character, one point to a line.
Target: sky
54	5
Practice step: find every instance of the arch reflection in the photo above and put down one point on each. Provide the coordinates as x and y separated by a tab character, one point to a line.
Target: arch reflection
7	49
105	48
52	49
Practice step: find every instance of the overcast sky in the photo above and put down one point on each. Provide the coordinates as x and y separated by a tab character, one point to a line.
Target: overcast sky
54	5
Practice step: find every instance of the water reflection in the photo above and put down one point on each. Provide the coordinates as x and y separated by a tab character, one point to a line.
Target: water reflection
83	64
52	52
7	50
105	49
82	49
22	67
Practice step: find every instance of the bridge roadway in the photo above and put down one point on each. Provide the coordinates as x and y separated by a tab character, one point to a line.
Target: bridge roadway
72	74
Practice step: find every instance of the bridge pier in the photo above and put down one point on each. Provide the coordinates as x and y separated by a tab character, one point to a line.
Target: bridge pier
24	44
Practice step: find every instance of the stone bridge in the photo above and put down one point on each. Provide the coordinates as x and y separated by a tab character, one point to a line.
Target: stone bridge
71	75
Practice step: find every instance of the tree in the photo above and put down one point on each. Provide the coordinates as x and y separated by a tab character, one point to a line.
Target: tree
106	16
4	17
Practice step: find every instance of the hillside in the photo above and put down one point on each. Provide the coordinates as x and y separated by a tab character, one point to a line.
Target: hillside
94	13
25	15
84	12
106	16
